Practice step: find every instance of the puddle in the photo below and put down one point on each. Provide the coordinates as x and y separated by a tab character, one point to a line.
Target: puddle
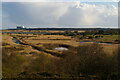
60	48
37	49
16	41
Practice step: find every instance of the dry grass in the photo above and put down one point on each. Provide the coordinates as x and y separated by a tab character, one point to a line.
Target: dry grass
26	57
7	42
7	39
49	39
41	40
108	48
26	50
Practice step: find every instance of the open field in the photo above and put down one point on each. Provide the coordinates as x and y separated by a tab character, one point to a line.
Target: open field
35	56
104	38
55	40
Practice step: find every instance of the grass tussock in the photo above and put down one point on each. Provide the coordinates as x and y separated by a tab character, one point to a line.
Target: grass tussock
85	61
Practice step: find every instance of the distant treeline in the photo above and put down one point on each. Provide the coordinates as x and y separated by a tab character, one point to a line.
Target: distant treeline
67	29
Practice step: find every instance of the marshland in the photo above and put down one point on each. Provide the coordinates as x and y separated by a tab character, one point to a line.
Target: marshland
86	55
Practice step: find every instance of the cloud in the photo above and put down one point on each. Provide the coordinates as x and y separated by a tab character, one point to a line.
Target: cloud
59	14
60	0
25	0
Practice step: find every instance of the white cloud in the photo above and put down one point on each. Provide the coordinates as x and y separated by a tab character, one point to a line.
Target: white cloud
24	0
62	14
60	0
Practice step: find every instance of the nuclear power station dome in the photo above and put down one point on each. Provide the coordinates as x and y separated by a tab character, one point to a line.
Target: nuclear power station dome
20	27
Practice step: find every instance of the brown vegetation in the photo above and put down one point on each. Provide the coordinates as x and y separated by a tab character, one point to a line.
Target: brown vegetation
34	60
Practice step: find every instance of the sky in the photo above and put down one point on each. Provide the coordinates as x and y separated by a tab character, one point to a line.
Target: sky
72	14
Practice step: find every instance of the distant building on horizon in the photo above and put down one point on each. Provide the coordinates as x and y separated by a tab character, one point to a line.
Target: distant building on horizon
20	27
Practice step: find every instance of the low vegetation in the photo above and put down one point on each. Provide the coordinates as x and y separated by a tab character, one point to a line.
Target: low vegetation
87	61
84	61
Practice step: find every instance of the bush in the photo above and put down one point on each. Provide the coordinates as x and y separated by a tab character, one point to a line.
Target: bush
89	60
5	44
93	61
12	64
86	61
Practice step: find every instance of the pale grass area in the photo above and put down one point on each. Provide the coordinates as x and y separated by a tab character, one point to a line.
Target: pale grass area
110	49
40	40
26	48
50	37
107	48
7	39
67	42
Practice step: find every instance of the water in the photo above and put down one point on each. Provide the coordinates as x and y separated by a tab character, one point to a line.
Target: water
61	48
58	48
85	41
16	41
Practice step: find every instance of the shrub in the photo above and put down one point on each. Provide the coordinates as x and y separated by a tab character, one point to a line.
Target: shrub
93	61
5	44
12	64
